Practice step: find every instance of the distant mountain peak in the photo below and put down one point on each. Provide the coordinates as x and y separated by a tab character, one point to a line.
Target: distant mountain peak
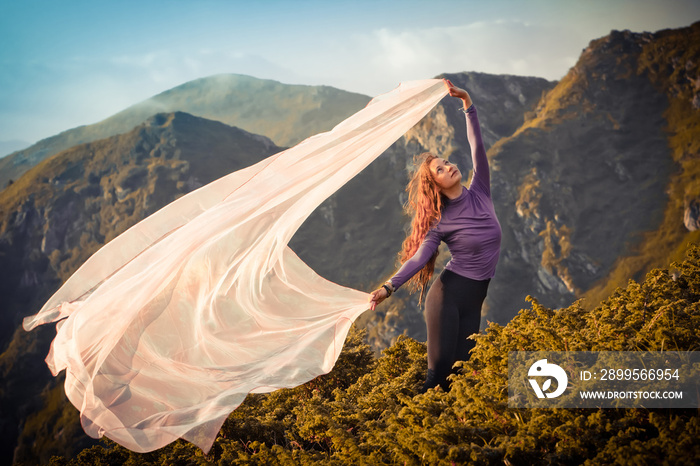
283	113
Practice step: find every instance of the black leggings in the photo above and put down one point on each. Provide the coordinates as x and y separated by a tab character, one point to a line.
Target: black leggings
452	313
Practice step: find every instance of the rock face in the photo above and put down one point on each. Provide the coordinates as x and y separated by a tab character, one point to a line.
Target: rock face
585	176
582	177
590	184
691	216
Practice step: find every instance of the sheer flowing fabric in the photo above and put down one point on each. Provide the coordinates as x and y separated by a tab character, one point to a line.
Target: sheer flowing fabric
164	330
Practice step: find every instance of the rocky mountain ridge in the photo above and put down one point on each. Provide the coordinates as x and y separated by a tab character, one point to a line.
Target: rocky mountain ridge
599	183
584	175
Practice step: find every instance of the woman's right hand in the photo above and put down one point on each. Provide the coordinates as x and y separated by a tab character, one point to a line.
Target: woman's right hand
377	296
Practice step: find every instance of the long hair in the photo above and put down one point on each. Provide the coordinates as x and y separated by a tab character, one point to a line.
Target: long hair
424	204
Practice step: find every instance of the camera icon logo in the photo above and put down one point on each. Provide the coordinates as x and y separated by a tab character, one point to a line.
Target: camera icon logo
543	368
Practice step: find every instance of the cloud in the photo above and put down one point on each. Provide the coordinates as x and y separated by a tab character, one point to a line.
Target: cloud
400	50
502	46
389	56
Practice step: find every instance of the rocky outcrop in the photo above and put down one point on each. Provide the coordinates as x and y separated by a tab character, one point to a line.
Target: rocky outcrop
587	172
691	215
581	170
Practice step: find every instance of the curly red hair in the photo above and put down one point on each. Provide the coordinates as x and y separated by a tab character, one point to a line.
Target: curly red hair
424	204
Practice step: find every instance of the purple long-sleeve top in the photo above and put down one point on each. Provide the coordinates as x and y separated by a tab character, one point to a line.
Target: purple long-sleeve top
468	224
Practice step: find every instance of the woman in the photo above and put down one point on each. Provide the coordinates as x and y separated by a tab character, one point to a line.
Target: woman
464	218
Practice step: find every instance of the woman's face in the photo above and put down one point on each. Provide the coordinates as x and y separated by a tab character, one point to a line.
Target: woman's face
445	174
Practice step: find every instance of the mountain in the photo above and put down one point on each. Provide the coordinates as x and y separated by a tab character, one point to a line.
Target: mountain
285	113
591	188
670	60
595	181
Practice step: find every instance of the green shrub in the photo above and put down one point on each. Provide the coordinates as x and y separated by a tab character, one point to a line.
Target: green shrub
367	411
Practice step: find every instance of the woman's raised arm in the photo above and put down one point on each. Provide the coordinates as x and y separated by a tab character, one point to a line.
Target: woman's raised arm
481	164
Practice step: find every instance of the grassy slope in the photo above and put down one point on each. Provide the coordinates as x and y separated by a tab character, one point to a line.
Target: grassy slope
367	411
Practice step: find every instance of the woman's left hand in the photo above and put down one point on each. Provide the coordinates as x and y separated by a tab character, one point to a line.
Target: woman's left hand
459	93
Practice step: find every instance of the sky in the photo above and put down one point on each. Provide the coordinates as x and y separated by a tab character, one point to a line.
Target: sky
73	62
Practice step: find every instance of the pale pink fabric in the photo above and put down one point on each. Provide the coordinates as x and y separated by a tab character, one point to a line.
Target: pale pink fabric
164	330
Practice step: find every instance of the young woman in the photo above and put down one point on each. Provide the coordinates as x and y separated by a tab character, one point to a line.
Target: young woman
464	218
